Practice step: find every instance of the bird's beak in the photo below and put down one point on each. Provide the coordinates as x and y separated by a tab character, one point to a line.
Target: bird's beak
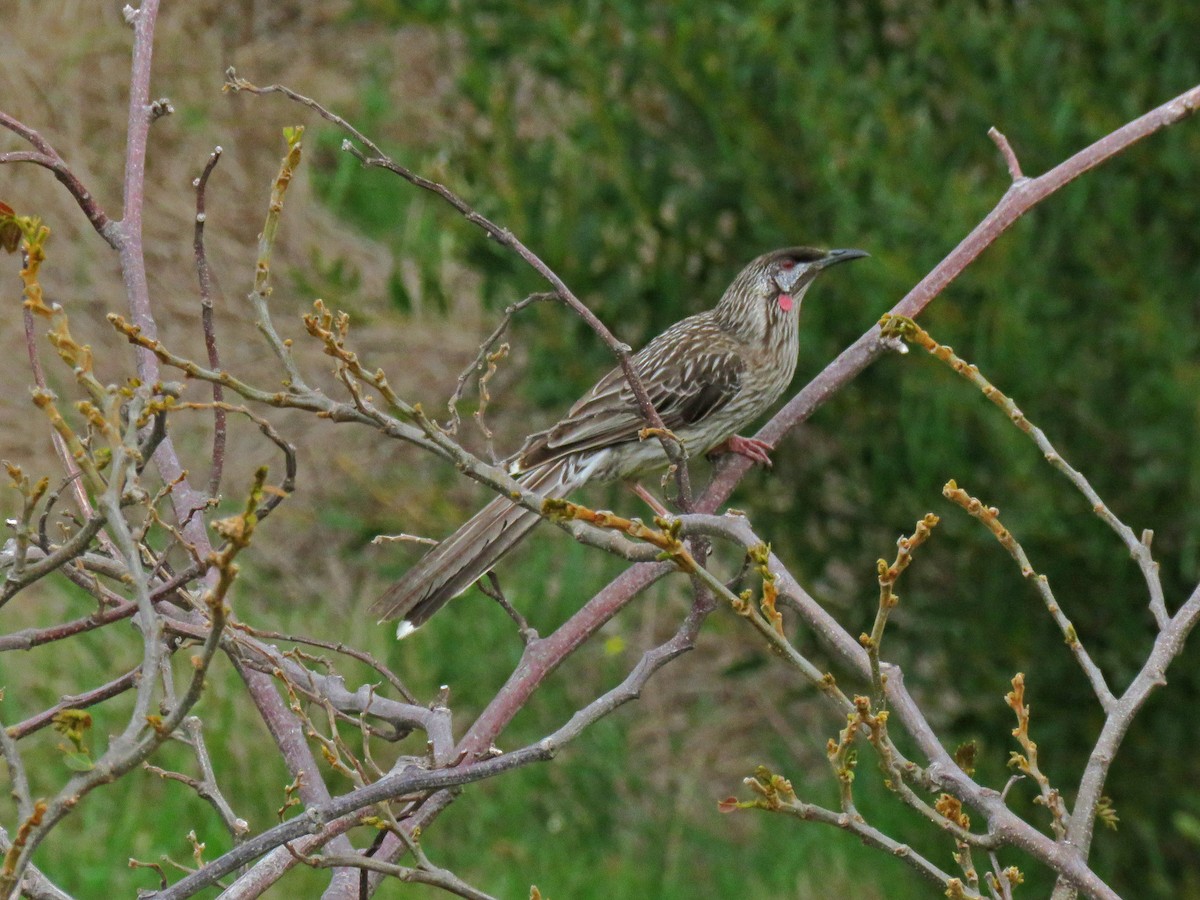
833	257
788	279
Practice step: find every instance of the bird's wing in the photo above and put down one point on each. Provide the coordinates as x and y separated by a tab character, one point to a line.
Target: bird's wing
687	381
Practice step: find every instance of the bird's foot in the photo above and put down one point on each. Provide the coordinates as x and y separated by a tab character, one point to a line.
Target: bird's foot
751	448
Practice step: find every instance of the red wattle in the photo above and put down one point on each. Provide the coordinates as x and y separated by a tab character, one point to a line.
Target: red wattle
785	302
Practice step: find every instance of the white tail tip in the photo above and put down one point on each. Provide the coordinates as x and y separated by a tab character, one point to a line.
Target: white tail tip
404	629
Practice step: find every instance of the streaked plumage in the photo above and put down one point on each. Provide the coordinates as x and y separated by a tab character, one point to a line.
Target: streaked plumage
708	376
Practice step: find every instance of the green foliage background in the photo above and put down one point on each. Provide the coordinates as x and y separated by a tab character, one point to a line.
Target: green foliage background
646	151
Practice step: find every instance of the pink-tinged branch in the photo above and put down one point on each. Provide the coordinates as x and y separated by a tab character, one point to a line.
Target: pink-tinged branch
133	262
49	158
284	727
540	660
205	277
544	655
1021	197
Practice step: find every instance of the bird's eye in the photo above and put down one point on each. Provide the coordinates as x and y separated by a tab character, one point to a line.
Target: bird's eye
787	264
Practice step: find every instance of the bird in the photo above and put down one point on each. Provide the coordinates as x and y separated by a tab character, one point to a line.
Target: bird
708	376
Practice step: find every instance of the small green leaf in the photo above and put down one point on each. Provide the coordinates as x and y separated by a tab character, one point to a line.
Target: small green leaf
79	762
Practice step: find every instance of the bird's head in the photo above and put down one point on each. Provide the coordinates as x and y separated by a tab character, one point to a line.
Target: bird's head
771	287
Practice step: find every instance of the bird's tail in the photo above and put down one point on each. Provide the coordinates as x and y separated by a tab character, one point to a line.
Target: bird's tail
457	562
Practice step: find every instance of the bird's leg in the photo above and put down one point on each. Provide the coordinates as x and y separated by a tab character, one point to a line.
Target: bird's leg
648	498
751	448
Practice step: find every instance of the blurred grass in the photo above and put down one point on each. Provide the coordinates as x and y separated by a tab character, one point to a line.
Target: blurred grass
646	152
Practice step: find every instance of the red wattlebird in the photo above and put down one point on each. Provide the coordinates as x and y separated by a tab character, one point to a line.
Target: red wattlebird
708	376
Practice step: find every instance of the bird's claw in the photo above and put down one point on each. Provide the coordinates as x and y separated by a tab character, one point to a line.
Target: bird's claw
752	448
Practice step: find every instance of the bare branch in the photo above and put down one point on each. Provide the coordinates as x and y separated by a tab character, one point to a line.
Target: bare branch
433	876
16	773
113	688
1139	548
943	772
48	158
206	786
673	449
1010	156
775	794
480	366
1167	646
205	276
1017	201
990	517
414	781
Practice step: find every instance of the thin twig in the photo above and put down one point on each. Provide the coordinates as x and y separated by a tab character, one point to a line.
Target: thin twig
49	158
1027	762
671	446
416	781
889	599
485	348
205	276
489	586
65	458
276	495
1139	548
990	517
775	794
206	787
16	773
1010	156
261	291
114	688
337	647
